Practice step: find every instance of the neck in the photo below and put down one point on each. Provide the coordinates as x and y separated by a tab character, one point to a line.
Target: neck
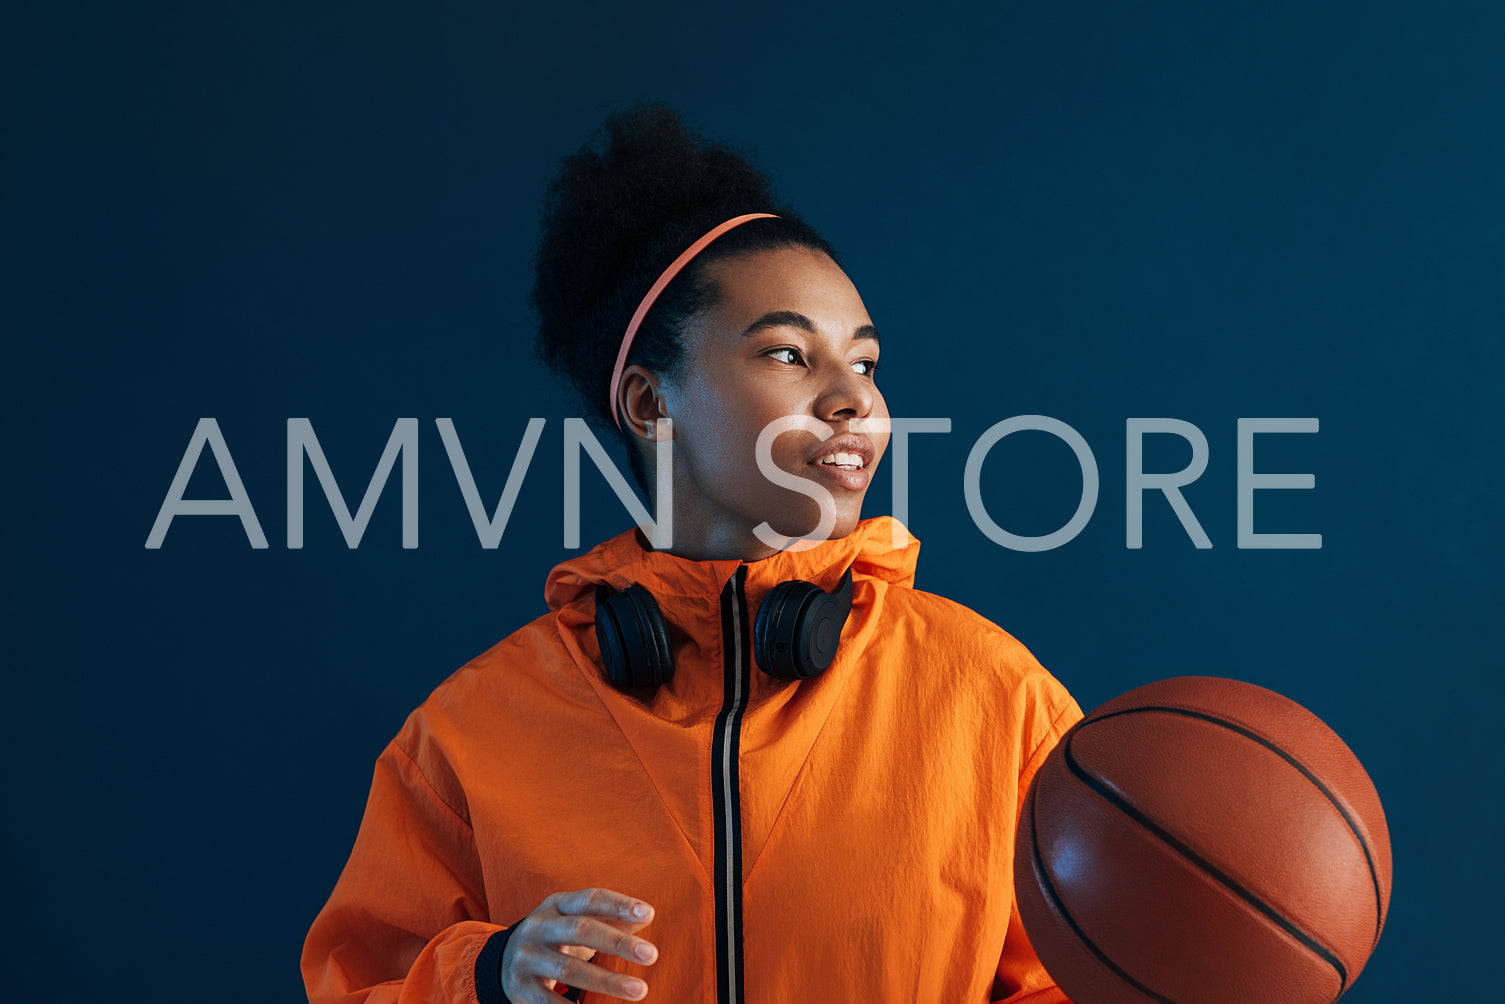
718	543
707	532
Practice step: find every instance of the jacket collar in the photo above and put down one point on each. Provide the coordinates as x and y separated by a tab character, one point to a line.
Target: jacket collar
689	593
625	559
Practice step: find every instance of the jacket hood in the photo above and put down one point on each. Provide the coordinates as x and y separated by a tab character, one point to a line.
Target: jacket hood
690	595
627	559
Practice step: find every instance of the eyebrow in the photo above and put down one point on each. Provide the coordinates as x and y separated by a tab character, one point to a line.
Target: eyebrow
794	319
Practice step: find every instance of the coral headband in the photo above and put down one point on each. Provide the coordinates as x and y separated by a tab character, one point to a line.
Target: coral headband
653	293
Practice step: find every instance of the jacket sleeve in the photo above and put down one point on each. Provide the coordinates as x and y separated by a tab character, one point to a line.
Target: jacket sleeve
1021	979
407	922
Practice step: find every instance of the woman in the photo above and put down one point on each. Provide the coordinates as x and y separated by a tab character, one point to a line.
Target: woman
764	823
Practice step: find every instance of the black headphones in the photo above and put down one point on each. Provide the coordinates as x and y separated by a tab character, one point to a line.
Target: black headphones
795	637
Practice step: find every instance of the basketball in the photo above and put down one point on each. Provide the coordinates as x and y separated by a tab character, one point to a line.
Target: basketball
1202	841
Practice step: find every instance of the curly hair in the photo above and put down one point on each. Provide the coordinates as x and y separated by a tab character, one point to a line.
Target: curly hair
613	219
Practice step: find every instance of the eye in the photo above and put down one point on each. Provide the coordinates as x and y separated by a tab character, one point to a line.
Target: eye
871	364
794	354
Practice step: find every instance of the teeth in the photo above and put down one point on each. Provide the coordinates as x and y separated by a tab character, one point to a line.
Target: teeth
846	461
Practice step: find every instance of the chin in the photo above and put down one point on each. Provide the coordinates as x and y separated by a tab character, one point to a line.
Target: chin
802	520
845	523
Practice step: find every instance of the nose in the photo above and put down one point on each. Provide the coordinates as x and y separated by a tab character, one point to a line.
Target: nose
847	395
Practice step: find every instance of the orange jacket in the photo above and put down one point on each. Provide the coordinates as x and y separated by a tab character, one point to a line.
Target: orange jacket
868	813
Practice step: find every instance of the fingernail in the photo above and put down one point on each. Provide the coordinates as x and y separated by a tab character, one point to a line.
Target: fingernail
640	910
646	952
635	988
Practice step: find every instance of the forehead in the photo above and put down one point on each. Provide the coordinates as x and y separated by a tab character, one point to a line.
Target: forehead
788	279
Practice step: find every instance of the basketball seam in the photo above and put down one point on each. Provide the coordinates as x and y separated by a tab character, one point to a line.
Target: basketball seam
1228	881
1048	887
1374	878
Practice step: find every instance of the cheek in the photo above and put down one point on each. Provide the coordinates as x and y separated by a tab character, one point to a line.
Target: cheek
713	453
706	430
736	423
718	448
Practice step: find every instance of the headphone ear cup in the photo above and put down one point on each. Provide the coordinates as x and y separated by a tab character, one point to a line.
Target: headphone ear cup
774	651
799	627
633	638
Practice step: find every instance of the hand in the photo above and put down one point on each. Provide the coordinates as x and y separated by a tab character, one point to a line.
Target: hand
555	942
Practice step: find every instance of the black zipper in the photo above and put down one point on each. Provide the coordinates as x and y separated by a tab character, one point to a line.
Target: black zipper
726	789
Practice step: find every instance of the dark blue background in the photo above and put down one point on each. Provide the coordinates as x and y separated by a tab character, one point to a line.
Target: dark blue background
1093	211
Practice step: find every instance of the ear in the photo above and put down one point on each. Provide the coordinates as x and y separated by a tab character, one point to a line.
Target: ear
641	401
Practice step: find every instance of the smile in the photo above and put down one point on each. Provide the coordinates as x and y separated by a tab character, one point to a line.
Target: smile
846	461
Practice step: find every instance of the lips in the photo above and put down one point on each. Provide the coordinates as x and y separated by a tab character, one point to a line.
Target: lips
845	449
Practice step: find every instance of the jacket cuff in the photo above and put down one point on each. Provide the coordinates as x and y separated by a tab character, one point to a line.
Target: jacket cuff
489	972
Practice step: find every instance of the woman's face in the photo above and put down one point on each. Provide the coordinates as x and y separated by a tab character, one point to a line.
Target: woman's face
789	336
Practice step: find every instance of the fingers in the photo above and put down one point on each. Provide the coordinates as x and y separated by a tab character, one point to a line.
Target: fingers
588	932
532	964
593	979
593	917
547	944
603	903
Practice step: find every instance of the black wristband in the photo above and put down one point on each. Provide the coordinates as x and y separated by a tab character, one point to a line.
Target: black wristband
489	972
